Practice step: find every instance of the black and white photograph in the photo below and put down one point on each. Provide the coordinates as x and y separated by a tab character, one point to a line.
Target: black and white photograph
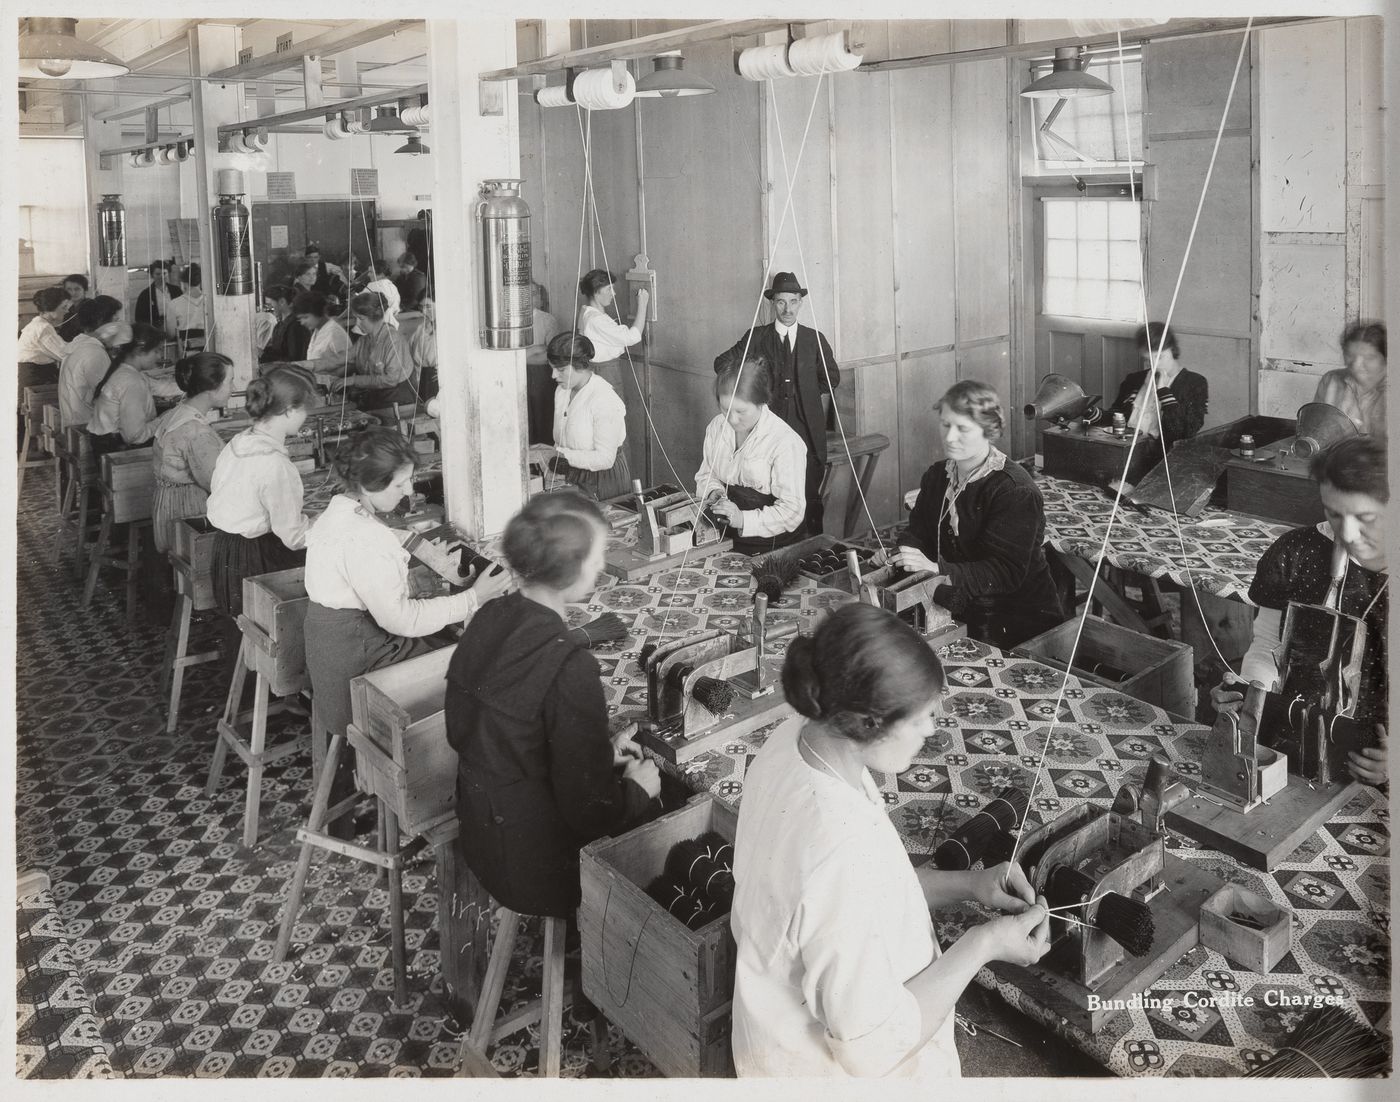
701	542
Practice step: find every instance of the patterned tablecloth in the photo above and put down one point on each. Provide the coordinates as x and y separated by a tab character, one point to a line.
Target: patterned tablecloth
1218	550
995	722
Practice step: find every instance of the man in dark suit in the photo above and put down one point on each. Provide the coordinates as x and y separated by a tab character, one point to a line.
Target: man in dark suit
804	373
412	284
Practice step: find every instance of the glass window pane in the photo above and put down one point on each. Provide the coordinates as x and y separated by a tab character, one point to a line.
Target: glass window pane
1090	298
1093	219
1059	296
1124	262
1059	218
1123	221
1093	259
1125	302
1060	259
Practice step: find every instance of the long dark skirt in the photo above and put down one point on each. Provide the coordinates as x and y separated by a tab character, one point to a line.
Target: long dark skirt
747	499
599	485
341	644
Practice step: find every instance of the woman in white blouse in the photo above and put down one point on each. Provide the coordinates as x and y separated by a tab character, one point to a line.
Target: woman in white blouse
590	423
753	472
328	353
838	971
610	337
124	402
184	317
361	613
40	346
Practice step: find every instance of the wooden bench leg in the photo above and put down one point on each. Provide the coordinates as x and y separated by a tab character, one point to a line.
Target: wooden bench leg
315	822
98	552
396	931
175	636
479	1037
258	743
79	558
552	999
133	564
23	458
235	697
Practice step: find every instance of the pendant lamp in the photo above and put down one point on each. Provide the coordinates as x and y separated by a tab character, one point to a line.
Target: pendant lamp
1067	79
50	49
668	78
413	147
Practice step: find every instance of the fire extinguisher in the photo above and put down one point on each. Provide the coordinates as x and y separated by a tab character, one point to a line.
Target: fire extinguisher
509	307
111	232
233	236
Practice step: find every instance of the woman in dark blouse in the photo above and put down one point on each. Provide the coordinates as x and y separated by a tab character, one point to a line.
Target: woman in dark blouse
1352	483
538	774
1182	395
979	524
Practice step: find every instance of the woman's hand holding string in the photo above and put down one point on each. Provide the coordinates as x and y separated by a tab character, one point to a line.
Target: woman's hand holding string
1020	938
1004	887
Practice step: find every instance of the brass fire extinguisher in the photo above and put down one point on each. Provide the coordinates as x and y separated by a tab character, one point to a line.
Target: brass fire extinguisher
111	232
509	306
232	236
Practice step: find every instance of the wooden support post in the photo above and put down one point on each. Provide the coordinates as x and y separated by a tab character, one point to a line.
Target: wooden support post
482	392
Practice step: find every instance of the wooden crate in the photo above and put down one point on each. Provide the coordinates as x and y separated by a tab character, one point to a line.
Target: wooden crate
129	484
1095	457
833	579
1159	669
193	545
275	607
1284	494
668	988
400	738
1253	950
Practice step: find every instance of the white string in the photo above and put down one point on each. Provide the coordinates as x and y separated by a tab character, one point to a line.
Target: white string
1127	465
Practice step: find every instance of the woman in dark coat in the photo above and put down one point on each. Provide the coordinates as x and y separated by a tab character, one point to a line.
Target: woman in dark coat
1182	396
979	523
537	769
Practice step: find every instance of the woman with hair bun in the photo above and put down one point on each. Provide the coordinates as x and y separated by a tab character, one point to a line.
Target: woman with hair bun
361	614
838	971
590	422
124	402
185	447
255	495
979	524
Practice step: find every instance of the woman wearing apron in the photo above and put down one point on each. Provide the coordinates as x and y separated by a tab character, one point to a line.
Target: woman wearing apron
590	424
753	471
837	970
185	447
361	615
610	337
255	497
380	372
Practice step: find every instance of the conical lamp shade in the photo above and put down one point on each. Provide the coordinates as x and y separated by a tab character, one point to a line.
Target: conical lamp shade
413	147
1067	79
1057	398
51	50
668	78
1320	426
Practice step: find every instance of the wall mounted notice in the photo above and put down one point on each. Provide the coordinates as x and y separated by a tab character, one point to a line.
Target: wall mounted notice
364	181
278	237
281	187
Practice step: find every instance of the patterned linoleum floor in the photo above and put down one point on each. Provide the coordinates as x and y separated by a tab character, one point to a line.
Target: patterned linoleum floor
151	955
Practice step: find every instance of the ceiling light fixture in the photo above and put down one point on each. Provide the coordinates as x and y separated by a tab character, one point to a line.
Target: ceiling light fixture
668	78
413	147
1067	78
50	49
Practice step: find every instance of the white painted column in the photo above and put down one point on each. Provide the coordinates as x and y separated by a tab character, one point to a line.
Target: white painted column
482	392
228	318
102	181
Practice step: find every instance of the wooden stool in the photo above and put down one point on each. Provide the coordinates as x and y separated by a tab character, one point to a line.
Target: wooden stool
127	484
52	428
192	594
35	398
548	1009
274	650
83	477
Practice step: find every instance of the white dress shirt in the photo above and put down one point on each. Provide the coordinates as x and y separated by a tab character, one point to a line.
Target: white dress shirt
773	460
39	342
356	561
609	336
126	406
590	426
787	334
330	343
78	375
830	923
185	312
256	490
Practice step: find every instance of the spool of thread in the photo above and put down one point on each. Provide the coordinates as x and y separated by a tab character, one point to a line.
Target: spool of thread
700	866
763	62
968	844
1127	921
335	128
415	116
554	95
826	53
594	90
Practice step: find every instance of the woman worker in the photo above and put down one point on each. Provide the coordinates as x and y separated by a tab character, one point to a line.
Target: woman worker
1179	410
610	337
380	371
979	524
255	496
290	339
422	346
123	402
838	971
75	286
1358	390
1355	491
328	350
87	359
40	346
590	423
361	614
753	469
538	772
185	447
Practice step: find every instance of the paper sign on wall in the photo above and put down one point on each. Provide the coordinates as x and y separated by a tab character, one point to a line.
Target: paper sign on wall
364	181
279	237
281	187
